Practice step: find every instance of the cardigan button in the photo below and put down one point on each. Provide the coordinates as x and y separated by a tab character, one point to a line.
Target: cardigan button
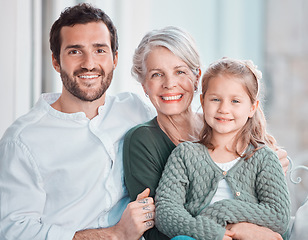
224	173
238	194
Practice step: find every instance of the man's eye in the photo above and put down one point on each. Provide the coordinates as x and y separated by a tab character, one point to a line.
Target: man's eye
73	52
100	50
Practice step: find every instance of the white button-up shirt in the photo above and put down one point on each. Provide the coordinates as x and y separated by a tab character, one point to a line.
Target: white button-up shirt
60	173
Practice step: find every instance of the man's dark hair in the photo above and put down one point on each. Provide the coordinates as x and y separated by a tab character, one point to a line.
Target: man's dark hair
80	14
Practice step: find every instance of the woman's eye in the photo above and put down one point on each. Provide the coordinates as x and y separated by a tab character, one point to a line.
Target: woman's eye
180	72
156	75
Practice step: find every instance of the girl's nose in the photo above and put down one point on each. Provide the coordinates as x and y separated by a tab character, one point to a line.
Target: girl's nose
223	107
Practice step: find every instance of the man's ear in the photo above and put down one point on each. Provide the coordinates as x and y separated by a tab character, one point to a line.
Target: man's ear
115	59
55	63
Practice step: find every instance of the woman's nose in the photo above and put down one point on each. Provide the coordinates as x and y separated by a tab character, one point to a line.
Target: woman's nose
169	82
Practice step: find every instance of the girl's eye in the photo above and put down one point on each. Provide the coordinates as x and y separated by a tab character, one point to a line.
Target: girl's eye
215	100
235	101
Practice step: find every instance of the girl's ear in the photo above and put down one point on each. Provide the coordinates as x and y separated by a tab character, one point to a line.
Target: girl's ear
201	100
55	64
253	109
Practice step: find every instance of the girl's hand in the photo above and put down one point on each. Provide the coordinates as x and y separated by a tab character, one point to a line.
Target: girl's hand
249	231
228	235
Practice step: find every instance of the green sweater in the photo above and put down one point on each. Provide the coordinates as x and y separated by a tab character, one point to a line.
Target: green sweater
190	180
145	153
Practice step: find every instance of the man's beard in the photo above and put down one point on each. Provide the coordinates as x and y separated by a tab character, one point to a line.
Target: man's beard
73	87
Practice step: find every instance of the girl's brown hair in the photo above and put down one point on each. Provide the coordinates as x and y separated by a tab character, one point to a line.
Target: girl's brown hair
254	131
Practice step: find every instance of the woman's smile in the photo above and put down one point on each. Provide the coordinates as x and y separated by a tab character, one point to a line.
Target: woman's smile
171	98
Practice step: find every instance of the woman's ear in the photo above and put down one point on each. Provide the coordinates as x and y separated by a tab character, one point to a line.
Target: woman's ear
144	89
55	63
197	79
199	73
253	109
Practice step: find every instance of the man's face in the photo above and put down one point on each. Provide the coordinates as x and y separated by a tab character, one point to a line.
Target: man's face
86	60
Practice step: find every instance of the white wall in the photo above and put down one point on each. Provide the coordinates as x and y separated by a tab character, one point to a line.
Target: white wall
220	28
19	81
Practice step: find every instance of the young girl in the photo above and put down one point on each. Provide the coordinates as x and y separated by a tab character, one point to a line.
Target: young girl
230	175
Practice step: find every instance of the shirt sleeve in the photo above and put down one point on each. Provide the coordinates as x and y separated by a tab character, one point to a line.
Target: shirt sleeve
22	197
273	207
142	169
171	216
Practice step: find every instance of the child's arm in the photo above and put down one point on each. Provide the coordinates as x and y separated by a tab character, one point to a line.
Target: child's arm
249	231
172	218
273	209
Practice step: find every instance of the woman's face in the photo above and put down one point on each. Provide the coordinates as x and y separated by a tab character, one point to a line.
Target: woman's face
169	82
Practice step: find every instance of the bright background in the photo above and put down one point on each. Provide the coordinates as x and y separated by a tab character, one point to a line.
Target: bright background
273	33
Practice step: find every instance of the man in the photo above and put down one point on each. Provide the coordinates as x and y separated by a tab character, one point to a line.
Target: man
61	174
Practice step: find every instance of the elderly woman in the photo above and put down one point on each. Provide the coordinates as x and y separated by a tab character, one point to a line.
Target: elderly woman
167	64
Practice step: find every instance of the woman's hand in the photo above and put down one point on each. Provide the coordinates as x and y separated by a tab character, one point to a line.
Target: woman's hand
136	219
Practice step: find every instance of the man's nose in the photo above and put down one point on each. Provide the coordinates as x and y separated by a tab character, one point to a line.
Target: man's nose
88	62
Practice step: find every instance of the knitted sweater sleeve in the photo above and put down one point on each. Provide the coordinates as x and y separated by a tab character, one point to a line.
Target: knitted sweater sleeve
172	218
273	207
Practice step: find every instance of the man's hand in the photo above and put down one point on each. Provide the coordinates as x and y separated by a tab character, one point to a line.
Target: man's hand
249	231
282	155
136	219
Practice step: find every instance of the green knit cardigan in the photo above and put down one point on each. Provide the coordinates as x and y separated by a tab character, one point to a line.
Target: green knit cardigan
190	180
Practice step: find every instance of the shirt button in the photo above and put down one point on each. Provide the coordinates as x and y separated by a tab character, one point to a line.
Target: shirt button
238	194
224	173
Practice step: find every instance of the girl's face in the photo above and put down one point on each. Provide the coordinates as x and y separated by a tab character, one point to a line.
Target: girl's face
169	82
226	105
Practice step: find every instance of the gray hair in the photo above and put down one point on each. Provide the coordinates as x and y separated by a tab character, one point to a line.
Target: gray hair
179	42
